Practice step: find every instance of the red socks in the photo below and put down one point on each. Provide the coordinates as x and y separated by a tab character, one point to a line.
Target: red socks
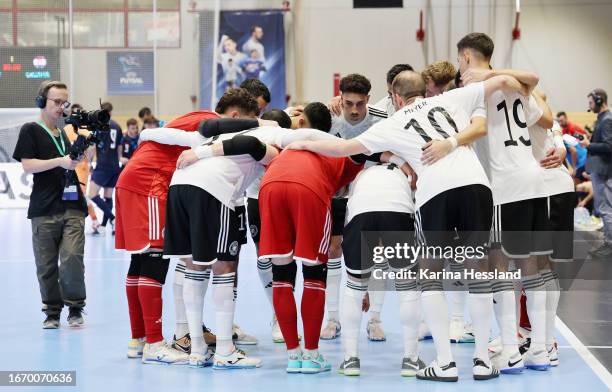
524	321
150	295
286	312
313	309
136	321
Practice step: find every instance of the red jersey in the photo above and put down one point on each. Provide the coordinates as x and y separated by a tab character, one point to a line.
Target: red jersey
322	175
150	169
573	130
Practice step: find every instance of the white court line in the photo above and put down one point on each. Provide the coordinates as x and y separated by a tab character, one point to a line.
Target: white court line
86	259
599	369
585	346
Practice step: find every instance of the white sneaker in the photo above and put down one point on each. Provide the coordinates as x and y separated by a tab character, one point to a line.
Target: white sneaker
484	371
277	335
435	372
241	337
235	360
424	333
460	333
508	362
495	347
331	330
135	347
202	360
537	360
553	355
375	331
161	353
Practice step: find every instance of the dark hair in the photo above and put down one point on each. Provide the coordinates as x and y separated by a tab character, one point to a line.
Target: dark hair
47	85
279	116
132	121
318	116
559	114
107	106
458	81
355	83
142	113
240	98
601	93
257	88
150	120
253	27
396	69
479	42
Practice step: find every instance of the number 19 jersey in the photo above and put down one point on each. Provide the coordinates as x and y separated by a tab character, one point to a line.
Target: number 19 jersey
515	174
410	128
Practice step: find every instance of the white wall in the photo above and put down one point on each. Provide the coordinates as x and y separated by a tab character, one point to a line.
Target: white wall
568	42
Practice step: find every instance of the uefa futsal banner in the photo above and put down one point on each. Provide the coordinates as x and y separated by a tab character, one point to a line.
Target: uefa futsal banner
15	186
129	73
251	45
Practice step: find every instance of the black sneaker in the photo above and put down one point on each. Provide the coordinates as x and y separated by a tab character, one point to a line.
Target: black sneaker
603	252
52	322
75	317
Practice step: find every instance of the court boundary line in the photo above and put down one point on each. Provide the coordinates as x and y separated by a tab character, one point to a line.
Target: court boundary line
582	350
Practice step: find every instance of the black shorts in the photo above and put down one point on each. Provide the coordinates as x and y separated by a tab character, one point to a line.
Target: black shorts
376	229
338	208
200	226
522	228
105	178
457	217
240	215
561	214
254	218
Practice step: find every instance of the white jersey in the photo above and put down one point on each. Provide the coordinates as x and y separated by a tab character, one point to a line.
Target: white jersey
380	188
515	174
557	180
342	128
227	177
384	105
439	117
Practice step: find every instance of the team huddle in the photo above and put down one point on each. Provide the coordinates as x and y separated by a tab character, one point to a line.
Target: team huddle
463	158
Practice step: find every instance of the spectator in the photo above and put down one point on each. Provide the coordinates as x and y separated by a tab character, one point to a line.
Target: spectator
150	122
259	90
569	128
598	165
130	141
57	208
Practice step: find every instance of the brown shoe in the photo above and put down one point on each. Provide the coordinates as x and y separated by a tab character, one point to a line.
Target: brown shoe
209	337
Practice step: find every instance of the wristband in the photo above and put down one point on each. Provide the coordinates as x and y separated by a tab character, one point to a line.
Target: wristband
203	152
396	160
453	142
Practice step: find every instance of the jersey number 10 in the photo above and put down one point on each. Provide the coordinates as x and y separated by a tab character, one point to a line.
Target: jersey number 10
434	123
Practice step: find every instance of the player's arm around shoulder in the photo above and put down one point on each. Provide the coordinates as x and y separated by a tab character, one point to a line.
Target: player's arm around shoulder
332	148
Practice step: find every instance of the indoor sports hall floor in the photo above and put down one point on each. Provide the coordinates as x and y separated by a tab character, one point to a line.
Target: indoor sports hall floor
97	351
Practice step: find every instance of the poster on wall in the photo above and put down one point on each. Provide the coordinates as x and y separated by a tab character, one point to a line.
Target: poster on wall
129	73
251	45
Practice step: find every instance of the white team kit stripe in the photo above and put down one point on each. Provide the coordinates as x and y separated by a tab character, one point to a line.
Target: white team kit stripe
323	247
153	209
224	229
150	216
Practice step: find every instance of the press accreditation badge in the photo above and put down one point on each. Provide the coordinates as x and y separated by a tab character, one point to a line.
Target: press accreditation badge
70	193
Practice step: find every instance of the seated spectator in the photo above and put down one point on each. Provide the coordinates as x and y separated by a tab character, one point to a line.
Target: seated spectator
150	122
569	128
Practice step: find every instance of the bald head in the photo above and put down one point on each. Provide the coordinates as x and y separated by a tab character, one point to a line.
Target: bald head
406	85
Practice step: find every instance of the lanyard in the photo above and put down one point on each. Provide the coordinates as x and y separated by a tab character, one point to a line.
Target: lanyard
63	148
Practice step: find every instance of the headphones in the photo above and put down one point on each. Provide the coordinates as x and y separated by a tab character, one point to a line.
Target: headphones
596	98
41	99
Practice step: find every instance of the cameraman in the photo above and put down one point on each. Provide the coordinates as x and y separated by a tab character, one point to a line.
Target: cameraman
57	208
599	166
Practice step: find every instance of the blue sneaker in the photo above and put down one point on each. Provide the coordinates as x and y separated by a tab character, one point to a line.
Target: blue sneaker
294	363
312	365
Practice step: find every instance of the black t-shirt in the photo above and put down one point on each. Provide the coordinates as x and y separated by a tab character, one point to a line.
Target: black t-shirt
35	143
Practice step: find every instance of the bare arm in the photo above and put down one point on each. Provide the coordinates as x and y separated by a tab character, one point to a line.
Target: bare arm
505	83
331	148
33	165
435	150
529	79
172	136
546	121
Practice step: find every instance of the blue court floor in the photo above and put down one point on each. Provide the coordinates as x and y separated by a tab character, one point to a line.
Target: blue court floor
97	351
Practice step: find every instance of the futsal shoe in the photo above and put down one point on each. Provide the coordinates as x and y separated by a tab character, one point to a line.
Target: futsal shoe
52	322
311	365
350	367
508	362
235	360
294	362
460	332
197	360
331	330
75	318
435	372
161	353
183	344
277	335
424	333
553	354
375	331
410	368
241	337
209	337
483	371
135	347
537	360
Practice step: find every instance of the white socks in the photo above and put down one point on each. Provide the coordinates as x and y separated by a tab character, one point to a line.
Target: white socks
410	316
264	269
223	296
194	287
435	310
351	316
505	312
332	291
553	292
536	310
481	307
179	306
